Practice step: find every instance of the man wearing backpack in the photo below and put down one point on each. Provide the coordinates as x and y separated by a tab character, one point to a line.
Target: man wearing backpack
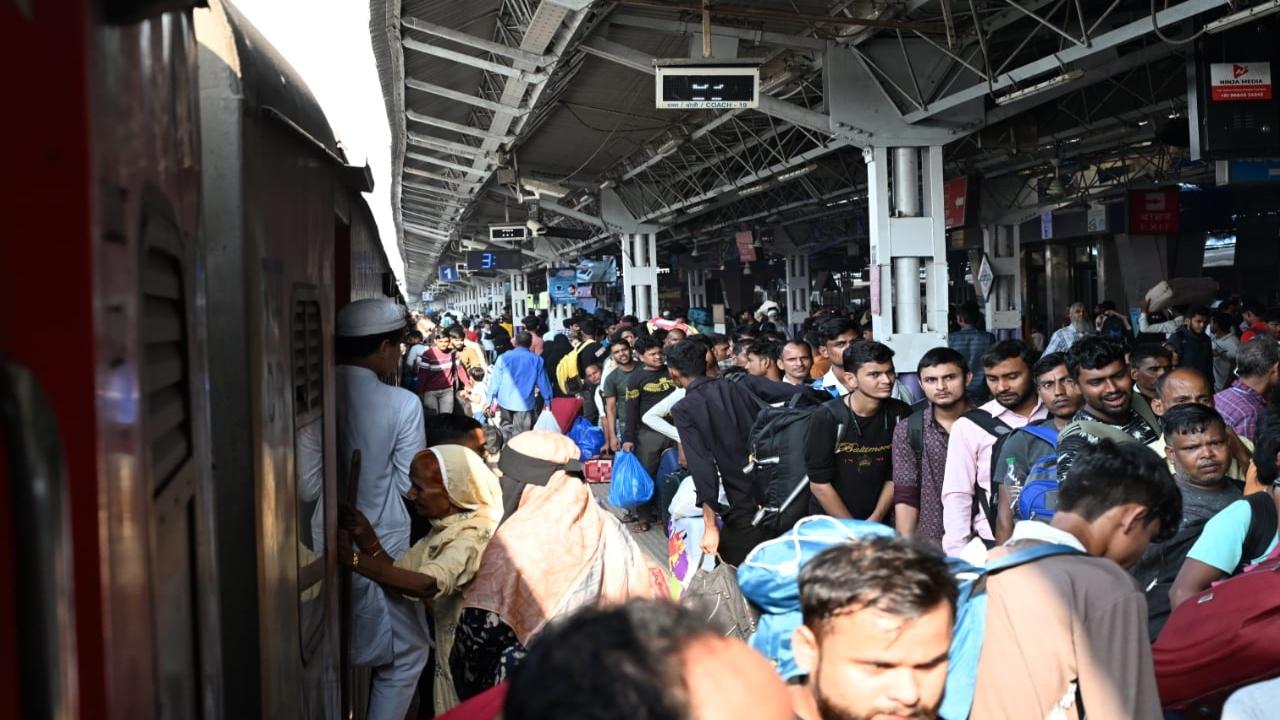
1197	445
646	386
714	420
1244	532
1032	450
967	509
1066	634
850	473
920	445
1098	367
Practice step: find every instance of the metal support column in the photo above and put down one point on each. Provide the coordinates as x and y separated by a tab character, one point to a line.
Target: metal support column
639	275
1003	247
698	289
904	192
519	296
797	290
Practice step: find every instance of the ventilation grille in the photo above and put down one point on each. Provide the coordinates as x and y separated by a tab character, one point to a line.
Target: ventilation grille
308	368
165	385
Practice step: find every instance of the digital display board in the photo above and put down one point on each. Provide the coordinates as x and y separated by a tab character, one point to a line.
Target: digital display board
508	232
481	260
683	88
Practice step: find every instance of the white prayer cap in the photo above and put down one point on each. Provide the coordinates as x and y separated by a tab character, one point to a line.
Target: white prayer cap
372	316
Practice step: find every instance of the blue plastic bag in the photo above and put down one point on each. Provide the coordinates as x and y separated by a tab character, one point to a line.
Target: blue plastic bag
588	438
631	485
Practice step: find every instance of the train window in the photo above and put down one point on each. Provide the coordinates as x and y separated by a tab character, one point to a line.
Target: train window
165	385
307	356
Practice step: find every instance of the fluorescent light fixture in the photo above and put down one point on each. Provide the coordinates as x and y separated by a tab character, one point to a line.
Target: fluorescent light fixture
696	208
1247	15
667	147
796	172
607	184
1028	91
753	189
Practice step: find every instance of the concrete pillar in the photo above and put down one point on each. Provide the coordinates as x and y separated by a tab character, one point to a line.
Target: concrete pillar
907	232
639	274
698	289
1003	247
797	290
519	296
1057	286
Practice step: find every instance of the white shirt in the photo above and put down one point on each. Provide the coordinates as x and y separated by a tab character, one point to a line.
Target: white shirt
832	380
385	424
975	553
1253	702
656	416
1167	327
413	356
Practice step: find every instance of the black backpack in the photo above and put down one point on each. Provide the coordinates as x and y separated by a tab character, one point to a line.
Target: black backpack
1157	570
777	464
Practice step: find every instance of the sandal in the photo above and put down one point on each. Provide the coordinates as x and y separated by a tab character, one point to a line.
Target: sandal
630	517
642	526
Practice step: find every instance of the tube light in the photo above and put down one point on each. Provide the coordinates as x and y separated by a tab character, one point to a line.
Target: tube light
1244	16
753	189
796	172
1053	82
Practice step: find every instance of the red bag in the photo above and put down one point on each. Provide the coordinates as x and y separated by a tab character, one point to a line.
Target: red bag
565	411
1222	639
598	470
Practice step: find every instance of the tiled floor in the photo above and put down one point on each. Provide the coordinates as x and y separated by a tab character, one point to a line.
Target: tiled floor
654	541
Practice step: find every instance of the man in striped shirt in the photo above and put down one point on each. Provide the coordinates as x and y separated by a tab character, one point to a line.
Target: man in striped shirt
1257	375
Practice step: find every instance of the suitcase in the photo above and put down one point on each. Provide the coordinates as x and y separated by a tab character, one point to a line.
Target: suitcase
598	470
1220	640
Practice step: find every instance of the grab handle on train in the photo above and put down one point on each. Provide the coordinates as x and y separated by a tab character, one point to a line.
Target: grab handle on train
41	545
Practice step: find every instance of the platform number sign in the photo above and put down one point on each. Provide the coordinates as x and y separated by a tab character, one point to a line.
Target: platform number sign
449	273
427	296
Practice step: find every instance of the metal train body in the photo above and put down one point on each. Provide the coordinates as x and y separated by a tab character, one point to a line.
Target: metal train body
182	235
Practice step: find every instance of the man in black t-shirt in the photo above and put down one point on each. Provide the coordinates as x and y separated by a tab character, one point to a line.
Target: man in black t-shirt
648	384
850	473
592	351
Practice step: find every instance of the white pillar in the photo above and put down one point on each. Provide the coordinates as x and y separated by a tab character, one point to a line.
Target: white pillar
639	274
797	290
1003	247
907	230
698	289
519	296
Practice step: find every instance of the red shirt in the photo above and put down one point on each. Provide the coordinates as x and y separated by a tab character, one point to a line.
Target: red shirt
485	706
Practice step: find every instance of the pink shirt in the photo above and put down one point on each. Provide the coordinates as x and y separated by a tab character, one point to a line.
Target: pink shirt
969	458
536	345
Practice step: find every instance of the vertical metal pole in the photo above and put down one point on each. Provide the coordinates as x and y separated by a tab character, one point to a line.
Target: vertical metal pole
906	270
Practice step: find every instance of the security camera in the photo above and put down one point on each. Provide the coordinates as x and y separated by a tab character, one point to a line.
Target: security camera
536	228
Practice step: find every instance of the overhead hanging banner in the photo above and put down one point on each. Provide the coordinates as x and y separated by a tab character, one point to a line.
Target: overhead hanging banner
1239	81
746	249
562	285
1153	212
954	196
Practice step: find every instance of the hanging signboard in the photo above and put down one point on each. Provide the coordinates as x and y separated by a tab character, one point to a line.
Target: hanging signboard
1153	212
1046	226
562	285
746	250
954	196
1230	82
986	278
1096	219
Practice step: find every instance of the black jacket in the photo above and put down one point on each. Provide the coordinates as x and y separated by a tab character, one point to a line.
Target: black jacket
714	419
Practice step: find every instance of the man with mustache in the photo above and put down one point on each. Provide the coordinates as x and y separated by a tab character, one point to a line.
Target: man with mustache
1061	397
968	474
1098	367
1078	327
920	445
1196	443
878	616
1183	386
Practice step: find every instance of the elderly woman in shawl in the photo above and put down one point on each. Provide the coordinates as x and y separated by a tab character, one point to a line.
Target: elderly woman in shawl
452	487
557	550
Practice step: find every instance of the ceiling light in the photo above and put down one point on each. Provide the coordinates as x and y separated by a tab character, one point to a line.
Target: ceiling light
1244	16
796	172
753	189
1028	91
696	208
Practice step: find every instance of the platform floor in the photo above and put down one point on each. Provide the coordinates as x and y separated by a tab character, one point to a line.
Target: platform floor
654	541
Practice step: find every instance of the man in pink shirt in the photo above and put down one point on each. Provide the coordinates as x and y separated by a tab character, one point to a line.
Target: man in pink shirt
1016	403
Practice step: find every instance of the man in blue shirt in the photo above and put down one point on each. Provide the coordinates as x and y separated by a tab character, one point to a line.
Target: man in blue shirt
971	342
516	375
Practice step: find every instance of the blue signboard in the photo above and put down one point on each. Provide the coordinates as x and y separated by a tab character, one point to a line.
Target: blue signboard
562	285
449	273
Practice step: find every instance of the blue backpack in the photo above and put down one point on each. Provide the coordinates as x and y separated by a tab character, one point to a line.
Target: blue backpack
971	625
1039	497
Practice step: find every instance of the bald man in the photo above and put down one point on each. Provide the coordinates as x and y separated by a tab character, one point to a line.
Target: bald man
1186	385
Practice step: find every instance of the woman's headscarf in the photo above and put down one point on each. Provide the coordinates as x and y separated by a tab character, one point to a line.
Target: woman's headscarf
470	483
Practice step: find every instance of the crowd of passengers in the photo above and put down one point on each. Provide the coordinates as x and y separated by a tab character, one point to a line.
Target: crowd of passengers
489	580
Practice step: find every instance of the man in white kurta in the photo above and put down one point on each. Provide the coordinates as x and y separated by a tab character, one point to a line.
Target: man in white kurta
384	422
